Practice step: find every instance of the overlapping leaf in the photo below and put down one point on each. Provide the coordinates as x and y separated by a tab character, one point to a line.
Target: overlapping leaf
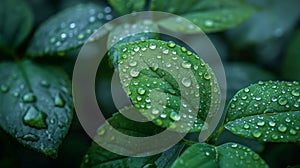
266	111
35	105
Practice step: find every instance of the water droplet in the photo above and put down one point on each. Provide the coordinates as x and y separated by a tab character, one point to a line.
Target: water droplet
272	123
255	156
186	82
208	23
101	131
288	119
141	91
274	136
29	98
207	76
63	36
171	44
72	25
207	154
295	93
165	51
282	128
256	134
53	40
174	116
246	90
189	53
261	123
59	101
44	83
92	19
183	49
30	137
80	36
293	132
134	72
163	115
35	118
282	101
246	126
136	48
4	88
258	98
234	145
132	63
152	46
186	64
155	111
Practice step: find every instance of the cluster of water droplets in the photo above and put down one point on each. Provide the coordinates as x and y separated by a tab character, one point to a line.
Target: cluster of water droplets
69	29
33	116
141	82
268	111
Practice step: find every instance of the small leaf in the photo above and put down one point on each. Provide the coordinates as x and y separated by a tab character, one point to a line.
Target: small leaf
290	68
212	20
129	6
127	33
36	105
99	157
229	155
169	85
16	23
68	29
266	111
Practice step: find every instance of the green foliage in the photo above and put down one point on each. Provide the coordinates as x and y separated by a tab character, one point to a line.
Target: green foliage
68	30
177	91
266	111
229	155
14	29
36	105
151	86
210	16
125	7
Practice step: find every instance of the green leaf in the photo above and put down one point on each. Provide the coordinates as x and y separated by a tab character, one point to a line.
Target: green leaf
266	111
68	29
210	18
174	6
290	68
127	33
229	155
36	105
169	85
99	157
16	23
129	6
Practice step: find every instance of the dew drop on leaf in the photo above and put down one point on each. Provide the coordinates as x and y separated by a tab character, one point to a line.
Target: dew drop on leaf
186	82
59	101
30	137
134	72
35	118
282	128
29	98
4	88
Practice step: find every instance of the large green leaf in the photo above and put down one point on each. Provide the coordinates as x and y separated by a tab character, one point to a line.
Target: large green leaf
169	85
229	155
36	105
210	17
129	6
99	157
68	30
266	111
16	23
290	68
126	33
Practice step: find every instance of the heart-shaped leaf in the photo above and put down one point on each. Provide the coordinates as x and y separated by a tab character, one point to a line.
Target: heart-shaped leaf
266	111
99	157
229	155
127	33
168	84
68	29
210	17
36	105
129	6
16	23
